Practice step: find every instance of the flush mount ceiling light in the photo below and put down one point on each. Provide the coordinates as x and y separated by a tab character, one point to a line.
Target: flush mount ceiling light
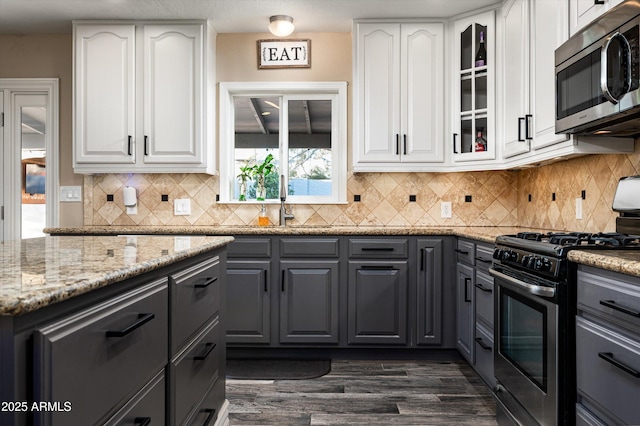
281	25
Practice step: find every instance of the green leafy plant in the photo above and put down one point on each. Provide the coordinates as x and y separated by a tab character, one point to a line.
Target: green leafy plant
244	177
260	172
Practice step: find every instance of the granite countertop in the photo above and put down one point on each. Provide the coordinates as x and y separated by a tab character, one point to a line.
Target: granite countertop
40	271
485	234
626	262
623	261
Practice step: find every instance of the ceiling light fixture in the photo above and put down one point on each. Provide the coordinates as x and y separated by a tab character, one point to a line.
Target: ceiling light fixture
281	25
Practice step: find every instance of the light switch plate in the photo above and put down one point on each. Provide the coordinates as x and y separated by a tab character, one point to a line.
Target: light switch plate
71	194
182	207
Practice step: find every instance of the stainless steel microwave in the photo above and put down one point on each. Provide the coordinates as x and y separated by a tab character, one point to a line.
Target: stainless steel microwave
598	76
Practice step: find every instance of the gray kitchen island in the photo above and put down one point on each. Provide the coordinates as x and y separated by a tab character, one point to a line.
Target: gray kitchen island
113	329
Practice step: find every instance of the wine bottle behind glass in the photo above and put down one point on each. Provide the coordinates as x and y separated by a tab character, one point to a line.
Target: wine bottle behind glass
481	54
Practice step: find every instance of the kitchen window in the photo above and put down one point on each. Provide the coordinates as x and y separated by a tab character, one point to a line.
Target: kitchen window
303	126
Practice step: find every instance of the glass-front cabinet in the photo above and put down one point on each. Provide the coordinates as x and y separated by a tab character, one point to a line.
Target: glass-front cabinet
473	90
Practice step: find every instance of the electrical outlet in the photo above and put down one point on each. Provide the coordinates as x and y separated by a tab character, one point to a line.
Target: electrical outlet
445	210
182	207
579	208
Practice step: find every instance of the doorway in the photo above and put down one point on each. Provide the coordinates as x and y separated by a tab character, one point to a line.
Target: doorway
29	140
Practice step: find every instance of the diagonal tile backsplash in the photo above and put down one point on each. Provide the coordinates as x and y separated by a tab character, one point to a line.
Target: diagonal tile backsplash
384	201
498	198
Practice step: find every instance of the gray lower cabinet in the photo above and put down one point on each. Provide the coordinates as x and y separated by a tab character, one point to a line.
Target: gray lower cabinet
474	306
607	348
146	350
465	311
101	355
248	315
340	291
309	308
377	302
429	291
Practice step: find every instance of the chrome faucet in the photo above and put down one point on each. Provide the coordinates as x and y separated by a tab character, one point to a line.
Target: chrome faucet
284	215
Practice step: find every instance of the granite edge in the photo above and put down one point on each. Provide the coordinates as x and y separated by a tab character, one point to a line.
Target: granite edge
22	305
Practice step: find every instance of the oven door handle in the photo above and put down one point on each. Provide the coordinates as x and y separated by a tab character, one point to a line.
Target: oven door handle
529	288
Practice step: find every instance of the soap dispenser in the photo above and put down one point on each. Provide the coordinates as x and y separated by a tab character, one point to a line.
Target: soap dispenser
263	219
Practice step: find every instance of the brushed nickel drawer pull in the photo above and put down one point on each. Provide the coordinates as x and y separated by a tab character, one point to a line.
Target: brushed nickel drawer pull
142	319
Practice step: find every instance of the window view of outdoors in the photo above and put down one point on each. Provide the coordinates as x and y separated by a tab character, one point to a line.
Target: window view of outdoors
308	161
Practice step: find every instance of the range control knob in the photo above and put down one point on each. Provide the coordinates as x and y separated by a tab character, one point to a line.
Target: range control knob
497	254
543	264
509	255
526	261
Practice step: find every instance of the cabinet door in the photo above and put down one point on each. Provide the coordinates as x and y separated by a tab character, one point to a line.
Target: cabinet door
173	91
309	301
377	302
516	119
464	310
248	310
422	93
549	29
378	93
429	307
104	94
472	90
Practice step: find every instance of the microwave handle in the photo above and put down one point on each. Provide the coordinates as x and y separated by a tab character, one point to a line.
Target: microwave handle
603	67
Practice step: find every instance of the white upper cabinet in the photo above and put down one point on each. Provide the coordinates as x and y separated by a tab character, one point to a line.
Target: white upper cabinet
398	119
173	94
104	94
142	98
582	12
532	30
472	89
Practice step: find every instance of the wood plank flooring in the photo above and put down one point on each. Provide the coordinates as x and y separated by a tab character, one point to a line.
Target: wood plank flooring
397	392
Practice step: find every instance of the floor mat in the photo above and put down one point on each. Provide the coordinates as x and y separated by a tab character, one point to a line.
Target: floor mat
277	369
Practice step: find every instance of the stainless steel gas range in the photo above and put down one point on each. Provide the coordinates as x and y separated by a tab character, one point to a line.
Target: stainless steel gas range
535	307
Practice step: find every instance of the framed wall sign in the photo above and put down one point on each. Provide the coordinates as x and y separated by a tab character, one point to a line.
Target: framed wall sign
284	53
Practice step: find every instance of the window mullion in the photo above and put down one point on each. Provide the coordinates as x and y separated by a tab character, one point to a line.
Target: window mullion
283	160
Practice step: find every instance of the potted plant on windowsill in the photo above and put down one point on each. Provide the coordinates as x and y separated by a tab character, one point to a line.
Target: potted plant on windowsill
260	172
244	177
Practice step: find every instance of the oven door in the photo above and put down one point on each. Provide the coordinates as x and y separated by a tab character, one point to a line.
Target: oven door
525	359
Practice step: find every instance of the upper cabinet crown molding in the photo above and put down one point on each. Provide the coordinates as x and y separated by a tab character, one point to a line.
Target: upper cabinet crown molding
398	95
143	97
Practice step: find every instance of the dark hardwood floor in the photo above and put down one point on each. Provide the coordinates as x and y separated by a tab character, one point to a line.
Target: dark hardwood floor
367	392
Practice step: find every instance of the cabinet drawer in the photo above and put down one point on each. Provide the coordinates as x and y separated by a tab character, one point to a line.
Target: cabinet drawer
305	247
101	355
613	298
208	411
146	405
608	365
465	252
483	257
195	370
378	248
249	247
484	298
195	297
484	355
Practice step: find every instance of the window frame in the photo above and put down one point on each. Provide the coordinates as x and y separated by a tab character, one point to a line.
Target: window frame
334	91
